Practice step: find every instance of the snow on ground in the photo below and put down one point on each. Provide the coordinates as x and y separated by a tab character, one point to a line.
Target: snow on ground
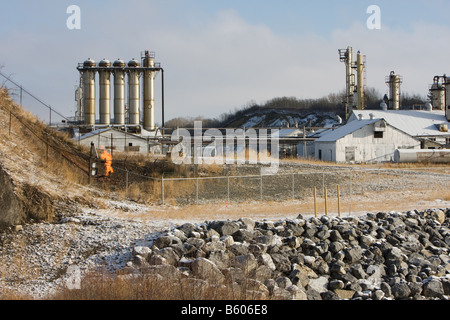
38	259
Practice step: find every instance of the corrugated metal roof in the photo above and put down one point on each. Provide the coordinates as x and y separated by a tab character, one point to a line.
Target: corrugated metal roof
101	131
417	123
288	132
336	134
94	133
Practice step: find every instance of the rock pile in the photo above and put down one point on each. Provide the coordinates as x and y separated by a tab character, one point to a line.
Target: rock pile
377	256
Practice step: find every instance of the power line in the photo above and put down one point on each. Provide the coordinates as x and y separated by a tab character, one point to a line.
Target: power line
33	96
61	151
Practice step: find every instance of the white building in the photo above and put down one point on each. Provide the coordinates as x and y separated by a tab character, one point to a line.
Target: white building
372	140
374	135
431	127
118	140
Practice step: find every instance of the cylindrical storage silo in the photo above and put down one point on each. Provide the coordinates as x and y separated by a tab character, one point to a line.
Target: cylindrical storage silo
394	91
149	92
133	92
119	91
104	92
437	94
447	98
89	92
360	81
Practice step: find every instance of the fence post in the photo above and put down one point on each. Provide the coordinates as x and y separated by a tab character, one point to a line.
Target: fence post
228	188
46	147
293	186
196	190
315	202
162	189
403	179
261	186
323	182
112	145
91	154
339	200
10	121
351	193
326	204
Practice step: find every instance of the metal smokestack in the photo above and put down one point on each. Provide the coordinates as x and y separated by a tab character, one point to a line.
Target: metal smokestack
88	78
346	56
119	92
149	91
447	98
437	93
104	92
360	67
133	92
394	81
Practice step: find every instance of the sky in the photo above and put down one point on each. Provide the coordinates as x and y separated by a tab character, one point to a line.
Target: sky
219	56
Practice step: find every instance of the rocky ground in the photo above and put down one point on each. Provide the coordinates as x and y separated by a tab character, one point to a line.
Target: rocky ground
378	256
36	258
282	255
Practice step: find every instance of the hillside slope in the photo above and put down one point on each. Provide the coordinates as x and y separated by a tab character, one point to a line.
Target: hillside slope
39	168
271	117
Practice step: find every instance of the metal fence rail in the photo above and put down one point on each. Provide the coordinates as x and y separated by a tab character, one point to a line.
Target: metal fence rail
278	187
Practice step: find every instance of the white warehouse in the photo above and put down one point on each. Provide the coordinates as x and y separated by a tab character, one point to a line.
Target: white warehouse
365	140
118	140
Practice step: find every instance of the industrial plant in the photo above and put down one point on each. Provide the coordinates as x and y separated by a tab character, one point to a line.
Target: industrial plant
123	114
389	133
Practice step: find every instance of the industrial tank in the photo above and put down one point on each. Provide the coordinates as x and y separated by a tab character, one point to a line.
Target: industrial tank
394	82
119	91
149	92
422	155
133	92
104	92
447	101
89	91
360	66
437	94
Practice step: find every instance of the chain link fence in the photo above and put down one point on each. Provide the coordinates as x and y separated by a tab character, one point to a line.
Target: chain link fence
277	187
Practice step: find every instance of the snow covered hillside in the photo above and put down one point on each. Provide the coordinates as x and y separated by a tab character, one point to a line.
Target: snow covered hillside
267	118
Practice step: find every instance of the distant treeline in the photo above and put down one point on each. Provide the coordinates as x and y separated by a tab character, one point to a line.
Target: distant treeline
334	102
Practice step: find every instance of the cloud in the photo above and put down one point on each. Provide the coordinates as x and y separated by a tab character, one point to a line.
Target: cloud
228	61
216	63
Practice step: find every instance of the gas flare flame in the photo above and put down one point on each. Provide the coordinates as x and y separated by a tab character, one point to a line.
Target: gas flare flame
107	157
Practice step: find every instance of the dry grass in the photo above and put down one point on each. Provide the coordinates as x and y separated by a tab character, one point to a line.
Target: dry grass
47	147
149	192
349	205
104	286
431	167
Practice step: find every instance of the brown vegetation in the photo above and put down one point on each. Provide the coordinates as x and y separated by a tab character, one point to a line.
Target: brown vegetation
107	286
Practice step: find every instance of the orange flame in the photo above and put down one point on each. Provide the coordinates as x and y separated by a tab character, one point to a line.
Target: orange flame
107	157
